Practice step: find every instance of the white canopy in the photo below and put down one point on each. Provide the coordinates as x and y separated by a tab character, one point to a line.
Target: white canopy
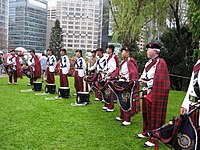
20	49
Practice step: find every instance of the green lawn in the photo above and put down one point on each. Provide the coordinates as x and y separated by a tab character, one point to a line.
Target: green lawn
28	121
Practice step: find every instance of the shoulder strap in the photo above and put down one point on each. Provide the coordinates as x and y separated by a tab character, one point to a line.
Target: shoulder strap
196	84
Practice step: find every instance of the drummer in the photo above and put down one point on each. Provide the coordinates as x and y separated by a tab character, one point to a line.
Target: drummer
99	65
128	71
64	68
13	64
34	63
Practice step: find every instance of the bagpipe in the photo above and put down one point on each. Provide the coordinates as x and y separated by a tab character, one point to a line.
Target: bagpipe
123	89
28	71
9	69
179	133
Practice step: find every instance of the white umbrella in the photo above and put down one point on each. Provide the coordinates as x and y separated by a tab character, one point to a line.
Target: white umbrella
20	49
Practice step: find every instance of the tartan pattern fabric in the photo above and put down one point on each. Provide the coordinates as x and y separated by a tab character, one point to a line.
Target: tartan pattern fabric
155	103
196	67
133	75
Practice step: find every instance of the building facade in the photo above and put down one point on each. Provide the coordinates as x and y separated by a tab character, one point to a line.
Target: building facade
4	24
81	22
27	24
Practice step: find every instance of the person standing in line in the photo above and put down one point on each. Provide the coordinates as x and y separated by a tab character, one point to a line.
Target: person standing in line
80	67
64	68
111	70
43	62
51	64
92	61
1	62
34	63
155	78
193	96
99	65
128	71
13	67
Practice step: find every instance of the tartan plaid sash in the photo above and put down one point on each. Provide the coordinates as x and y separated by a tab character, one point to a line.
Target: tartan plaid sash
147	68
196	68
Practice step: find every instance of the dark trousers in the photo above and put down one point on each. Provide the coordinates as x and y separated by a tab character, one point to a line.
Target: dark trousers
14	74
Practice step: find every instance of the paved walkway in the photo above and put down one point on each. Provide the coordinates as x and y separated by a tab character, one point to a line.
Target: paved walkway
3	76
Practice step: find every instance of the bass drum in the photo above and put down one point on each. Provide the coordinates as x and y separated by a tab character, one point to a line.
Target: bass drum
64	92
83	97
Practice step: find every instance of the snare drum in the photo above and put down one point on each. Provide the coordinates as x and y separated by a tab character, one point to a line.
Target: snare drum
83	97
64	92
37	86
50	88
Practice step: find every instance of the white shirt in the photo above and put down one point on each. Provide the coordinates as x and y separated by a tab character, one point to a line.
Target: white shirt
12	61
99	64
51	63
64	64
80	66
31	62
43	62
150	74
110	66
190	91
124	70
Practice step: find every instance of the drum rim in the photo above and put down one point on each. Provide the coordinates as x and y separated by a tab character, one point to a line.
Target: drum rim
64	88
50	84
37	82
83	92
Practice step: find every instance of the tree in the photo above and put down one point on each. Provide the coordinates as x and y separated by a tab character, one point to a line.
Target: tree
56	38
130	16
194	18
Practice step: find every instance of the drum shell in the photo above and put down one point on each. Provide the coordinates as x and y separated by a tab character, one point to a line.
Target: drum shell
50	88
82	97
64	92
37	86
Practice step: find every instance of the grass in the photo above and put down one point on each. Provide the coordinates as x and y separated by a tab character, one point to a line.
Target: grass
28	121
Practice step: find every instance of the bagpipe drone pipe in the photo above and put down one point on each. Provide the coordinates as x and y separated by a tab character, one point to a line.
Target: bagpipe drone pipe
180	133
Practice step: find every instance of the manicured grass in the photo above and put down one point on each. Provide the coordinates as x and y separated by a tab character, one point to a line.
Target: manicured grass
28	121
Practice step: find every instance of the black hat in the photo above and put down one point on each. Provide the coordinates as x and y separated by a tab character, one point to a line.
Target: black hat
153	45
100	50
12	50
